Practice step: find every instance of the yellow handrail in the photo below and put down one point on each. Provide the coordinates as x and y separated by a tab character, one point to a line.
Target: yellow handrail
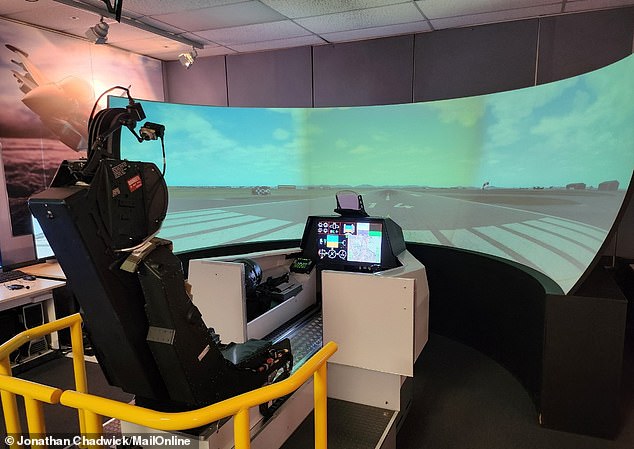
33	393
91	408
237	406
201	416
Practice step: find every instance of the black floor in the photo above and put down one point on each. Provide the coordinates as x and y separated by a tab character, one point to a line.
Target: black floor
462	400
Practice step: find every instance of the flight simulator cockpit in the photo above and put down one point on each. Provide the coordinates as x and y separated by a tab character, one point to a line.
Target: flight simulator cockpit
350	276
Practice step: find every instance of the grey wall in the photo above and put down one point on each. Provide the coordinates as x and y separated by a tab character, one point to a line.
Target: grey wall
477	60
441	64
277	79
202	83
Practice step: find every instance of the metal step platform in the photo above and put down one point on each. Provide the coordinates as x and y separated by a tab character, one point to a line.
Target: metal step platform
350	425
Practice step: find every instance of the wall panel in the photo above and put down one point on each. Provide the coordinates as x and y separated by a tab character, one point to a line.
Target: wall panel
205	82
271	79
579	43
370	72
473	61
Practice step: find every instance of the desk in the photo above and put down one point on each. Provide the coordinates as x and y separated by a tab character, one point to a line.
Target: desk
38	291
48	270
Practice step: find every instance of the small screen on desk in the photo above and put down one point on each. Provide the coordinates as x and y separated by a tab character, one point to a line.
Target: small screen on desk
349	241
42	248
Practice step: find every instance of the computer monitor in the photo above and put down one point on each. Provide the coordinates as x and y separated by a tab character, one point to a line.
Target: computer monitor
42	248
364	244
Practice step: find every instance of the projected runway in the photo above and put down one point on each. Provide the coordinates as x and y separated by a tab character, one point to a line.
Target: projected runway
559	246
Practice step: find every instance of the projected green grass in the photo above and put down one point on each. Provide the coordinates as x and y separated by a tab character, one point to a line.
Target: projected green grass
520	174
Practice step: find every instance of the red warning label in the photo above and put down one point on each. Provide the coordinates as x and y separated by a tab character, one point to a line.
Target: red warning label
134	183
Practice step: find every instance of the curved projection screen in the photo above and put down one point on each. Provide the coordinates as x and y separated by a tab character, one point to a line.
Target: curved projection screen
535	175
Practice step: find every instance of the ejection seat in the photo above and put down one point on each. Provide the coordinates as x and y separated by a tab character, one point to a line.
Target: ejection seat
99	216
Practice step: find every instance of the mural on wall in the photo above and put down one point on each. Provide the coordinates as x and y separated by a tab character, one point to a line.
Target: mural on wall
48	85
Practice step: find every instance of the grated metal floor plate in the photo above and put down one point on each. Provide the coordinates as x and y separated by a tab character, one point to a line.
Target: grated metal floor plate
305	336
350	426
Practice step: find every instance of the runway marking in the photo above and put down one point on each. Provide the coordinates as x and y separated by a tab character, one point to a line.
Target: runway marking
582	240
290	232
560	248
193	213
214	238
465	238
554	245
183	222
542	216
510	253
539	256
205	227
588	230
423	236
568	246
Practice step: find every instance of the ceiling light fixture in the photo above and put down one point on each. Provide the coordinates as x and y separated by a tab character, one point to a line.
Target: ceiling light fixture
99	33
187	59
132	22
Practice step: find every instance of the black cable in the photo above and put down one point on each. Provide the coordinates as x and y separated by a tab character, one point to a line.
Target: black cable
163	149
125	89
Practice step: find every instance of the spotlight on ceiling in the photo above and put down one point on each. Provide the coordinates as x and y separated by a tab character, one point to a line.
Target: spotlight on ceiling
187	59
99	33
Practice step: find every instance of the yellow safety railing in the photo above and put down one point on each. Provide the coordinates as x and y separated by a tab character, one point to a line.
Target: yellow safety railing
92	408
36	394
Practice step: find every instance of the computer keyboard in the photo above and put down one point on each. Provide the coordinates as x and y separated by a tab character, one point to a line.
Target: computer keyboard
11	275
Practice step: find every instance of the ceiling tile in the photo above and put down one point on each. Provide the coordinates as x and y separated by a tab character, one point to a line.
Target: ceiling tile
434	9
584	5
494	17
116	33
156	43
295	9
370	33
98	5
364	18
253	33
161	25
154	7
58	17
279	43
245	13
15	6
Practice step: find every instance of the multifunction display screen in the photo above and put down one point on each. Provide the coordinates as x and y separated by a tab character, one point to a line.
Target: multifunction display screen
349	241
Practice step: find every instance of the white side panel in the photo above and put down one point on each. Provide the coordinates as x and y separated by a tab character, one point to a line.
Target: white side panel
218	291
372	320
415	270
218	288
363	386
412	268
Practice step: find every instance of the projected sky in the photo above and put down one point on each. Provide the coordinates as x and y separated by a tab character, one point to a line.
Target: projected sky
550	135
